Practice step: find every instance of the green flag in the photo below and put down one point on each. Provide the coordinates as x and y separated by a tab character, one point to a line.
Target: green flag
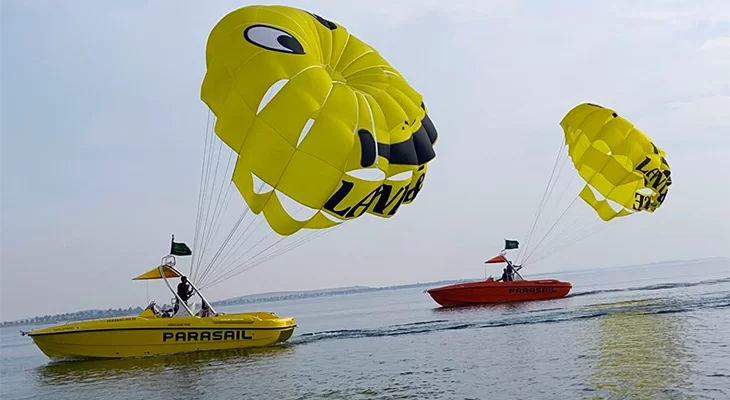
511	244
179	249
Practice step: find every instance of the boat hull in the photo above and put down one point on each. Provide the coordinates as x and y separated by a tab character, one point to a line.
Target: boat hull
140	336
486	292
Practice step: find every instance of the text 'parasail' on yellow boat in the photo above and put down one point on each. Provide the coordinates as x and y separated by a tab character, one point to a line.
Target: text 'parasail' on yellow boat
158	331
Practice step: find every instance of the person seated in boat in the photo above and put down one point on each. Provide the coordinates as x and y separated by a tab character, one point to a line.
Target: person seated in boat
204	311
167	311
508	273
505	276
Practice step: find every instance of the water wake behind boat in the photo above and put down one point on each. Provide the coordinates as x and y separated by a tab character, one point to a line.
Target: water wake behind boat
644	306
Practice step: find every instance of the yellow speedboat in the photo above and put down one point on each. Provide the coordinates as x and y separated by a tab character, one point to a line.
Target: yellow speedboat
155	331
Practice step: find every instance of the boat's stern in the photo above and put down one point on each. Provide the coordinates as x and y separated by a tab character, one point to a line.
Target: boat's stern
261	321
286	333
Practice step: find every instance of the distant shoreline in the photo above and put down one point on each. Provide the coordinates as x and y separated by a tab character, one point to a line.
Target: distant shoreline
302	294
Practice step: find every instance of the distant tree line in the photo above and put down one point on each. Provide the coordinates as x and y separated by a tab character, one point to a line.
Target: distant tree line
75	316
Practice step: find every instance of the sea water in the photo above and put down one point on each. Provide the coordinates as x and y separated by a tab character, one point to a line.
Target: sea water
652	332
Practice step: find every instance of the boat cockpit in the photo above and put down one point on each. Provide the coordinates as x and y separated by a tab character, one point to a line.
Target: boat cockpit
178	307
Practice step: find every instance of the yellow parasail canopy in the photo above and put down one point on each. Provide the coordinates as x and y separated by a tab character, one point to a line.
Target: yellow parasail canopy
316	115
619	163
155	274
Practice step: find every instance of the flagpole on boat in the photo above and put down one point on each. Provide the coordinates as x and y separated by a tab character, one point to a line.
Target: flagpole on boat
182	249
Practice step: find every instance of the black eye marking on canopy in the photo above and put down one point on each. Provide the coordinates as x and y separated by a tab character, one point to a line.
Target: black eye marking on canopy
328	24
274	39
367	148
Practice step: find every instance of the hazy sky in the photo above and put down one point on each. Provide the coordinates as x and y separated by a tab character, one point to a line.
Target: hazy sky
103	129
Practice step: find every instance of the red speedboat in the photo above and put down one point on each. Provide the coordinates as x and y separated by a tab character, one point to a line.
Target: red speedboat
491	291
510	287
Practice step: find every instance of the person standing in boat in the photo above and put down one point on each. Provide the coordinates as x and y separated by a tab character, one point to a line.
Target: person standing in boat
511	270
184	291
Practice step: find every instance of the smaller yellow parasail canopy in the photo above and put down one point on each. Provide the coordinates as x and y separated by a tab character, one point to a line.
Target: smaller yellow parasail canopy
155	273
619	163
